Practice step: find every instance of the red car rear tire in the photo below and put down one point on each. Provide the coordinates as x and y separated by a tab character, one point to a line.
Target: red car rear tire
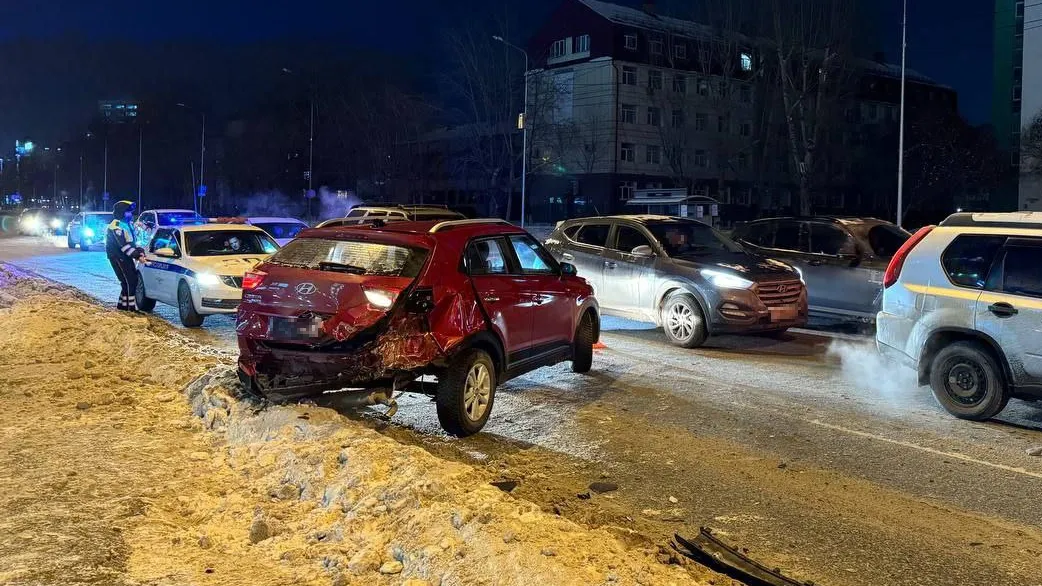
466	391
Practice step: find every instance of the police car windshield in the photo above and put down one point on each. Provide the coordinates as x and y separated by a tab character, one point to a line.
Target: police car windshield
229	243
171	218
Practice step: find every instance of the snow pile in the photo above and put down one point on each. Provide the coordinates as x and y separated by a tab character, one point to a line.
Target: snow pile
110	475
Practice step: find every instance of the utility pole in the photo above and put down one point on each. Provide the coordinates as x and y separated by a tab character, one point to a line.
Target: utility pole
901	132
54	197
524	132
81	182
311	154
140	162
202	159
105	180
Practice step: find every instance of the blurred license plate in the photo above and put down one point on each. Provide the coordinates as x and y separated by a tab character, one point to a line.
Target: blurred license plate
291	328
783	313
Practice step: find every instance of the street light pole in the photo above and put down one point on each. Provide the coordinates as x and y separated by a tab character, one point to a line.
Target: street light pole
901	132
140	163
202	156
311	140
105	180
524	131
81	182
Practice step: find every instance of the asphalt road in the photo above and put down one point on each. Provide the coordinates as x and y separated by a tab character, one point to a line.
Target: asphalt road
810	452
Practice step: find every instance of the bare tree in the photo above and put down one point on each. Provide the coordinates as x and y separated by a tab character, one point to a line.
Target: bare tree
811	44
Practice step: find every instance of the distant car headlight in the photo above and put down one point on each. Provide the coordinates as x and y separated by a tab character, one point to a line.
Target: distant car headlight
87	232
207	279
32	223
56	223
725	280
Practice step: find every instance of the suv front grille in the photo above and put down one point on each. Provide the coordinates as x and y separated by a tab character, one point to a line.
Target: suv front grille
782	293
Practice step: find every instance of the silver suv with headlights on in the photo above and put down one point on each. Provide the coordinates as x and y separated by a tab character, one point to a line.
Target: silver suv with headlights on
682	275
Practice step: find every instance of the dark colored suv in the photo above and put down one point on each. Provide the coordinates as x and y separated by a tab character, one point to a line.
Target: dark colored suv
842	259
376	309
682	275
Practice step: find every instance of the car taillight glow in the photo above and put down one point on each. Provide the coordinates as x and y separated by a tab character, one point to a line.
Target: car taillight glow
893	270
252	279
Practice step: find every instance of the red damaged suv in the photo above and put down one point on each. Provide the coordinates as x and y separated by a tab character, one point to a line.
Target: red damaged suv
375	309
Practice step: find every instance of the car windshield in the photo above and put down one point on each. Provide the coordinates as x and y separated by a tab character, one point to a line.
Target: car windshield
172	218
229	243
686	237
281	229
368	258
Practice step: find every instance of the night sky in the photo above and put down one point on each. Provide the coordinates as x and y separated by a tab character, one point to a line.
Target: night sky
949	40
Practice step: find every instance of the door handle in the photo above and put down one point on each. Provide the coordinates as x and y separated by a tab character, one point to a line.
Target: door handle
1003	309
567	256
608	264
490	298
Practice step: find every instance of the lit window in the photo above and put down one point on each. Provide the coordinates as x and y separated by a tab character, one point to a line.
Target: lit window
746	61
631	42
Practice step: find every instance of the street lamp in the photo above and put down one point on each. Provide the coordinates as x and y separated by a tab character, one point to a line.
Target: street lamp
311	140
202	159
524	130
901	131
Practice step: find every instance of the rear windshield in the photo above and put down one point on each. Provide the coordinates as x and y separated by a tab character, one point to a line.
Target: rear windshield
886	239
229	243
373	258
281	229
171	218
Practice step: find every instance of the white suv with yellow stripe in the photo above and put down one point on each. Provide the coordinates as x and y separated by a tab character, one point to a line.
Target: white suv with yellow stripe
962	303
199	269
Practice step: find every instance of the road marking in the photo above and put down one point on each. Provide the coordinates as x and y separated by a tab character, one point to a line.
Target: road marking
954	455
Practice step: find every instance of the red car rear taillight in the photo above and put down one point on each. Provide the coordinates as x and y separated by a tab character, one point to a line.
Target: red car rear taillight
893	270
252	279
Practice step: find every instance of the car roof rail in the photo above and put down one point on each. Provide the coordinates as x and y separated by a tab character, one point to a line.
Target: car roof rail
448	224
1023	220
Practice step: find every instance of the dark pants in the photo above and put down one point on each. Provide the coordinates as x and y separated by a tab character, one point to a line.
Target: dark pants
126	272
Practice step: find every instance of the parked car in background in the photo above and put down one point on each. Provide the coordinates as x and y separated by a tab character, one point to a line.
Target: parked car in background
199	268
281	229
963	306
87	229
372	309
680	274
149	221
842	259
393	213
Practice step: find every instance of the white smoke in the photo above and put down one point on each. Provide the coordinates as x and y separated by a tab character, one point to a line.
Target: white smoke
327	204
273	203
335	204
865	368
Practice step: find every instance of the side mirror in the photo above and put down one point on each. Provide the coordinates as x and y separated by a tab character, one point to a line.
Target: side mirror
166	252
568	269
643	250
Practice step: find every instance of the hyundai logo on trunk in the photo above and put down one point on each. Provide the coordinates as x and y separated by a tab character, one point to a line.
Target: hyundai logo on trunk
306	288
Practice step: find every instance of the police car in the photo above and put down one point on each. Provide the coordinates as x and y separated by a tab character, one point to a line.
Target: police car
281	229
199	269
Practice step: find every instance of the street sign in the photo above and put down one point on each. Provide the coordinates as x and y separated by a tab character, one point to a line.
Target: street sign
310	194
202	191
105	196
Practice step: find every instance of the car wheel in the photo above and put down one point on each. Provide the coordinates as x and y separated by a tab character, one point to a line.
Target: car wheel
582	346
466	391
683	321
85	245
968	382
68	240
190	318
140	298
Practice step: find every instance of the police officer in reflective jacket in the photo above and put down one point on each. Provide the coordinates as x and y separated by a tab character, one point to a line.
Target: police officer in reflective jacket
122	252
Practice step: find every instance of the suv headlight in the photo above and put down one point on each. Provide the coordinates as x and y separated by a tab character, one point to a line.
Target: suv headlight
725	280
